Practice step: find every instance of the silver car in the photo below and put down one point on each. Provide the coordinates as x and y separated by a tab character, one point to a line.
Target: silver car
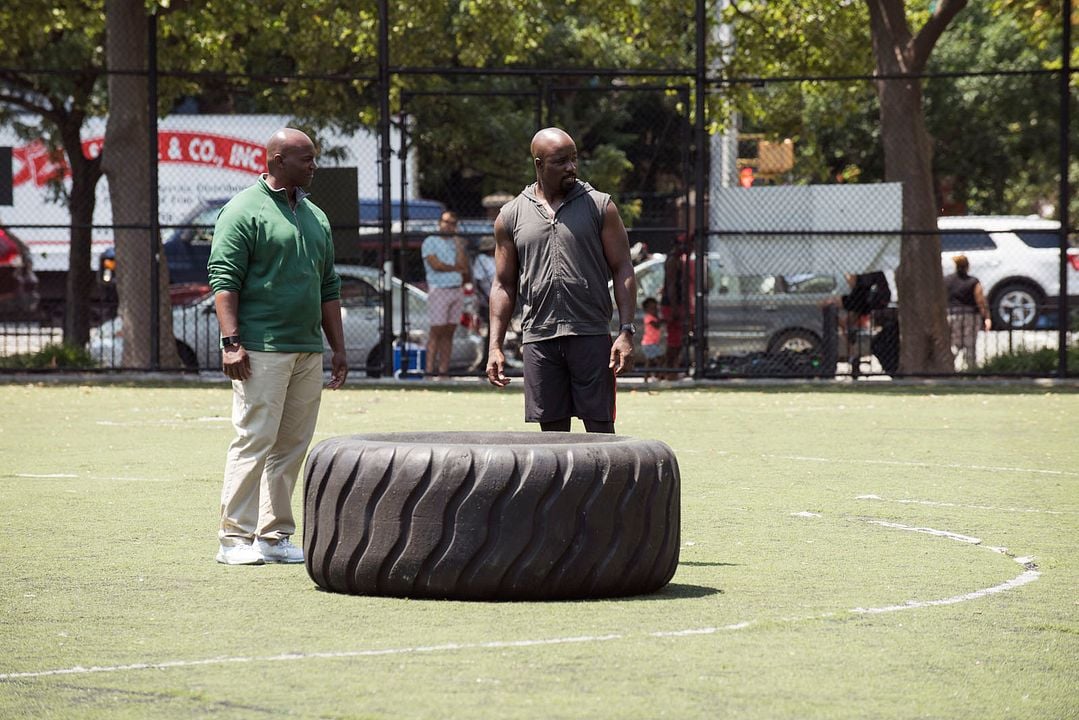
751	313
197	332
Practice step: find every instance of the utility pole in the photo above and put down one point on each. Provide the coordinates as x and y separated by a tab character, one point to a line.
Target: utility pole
1063	319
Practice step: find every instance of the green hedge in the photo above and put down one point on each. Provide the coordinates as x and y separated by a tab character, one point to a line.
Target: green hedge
53	356
1038	362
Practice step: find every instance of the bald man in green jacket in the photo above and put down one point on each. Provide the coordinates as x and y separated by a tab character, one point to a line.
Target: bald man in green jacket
276	292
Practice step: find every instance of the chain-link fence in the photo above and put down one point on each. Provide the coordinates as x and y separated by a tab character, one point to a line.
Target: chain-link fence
810	223
797	271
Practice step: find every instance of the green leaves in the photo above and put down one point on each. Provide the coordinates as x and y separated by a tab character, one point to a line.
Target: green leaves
996	136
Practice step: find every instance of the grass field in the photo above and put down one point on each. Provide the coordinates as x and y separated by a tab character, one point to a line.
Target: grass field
870	552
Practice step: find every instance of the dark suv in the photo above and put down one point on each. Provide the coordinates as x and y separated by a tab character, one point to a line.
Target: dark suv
187	247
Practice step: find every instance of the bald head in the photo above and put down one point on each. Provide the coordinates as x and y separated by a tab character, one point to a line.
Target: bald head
290	158
285	140
554	155
548	139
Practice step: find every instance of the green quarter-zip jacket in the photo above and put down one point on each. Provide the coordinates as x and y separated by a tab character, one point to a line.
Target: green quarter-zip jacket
563	272
280	261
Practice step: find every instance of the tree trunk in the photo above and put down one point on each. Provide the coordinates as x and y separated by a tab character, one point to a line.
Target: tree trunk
85	173
126	162
925	342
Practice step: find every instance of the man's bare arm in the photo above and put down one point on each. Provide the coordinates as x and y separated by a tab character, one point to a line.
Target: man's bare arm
983	307
616	250
503	299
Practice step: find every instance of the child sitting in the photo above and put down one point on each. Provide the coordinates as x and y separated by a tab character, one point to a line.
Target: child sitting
650	339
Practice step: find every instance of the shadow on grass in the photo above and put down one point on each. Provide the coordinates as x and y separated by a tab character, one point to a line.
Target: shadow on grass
670	591
678	591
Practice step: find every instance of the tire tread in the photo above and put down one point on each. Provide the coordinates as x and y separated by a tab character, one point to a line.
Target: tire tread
488	521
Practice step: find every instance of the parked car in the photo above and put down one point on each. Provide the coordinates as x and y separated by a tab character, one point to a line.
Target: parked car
1017	260
418	209
186	250
18	283
197	332
751	313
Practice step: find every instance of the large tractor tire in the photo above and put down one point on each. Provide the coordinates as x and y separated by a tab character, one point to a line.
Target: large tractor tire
491	516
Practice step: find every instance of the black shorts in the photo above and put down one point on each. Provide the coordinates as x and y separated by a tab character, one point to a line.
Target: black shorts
569	376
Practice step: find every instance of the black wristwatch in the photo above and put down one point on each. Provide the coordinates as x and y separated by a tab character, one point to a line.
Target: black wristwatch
627	328
230	341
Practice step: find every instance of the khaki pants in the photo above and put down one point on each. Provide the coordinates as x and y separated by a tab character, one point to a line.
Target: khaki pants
274	413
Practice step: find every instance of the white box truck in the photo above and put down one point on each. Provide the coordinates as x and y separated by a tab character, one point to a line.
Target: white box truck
201	158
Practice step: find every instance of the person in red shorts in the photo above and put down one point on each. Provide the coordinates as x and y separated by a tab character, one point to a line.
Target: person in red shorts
652	335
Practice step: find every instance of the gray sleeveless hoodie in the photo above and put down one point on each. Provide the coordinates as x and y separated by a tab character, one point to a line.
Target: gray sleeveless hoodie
563	273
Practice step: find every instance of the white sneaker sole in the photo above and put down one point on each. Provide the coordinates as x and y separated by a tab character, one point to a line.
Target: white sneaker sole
268	556
280	561
221	559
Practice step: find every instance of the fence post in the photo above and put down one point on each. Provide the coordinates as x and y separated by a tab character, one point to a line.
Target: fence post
1065	191
541	98
402	157
701	236
830	340
384	181
155	230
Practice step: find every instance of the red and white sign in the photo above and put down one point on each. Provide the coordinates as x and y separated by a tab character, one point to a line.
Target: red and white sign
34	164
200	157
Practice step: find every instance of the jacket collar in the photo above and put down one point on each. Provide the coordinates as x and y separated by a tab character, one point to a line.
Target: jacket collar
280	194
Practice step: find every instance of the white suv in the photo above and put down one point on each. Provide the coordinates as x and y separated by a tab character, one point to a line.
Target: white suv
1017	260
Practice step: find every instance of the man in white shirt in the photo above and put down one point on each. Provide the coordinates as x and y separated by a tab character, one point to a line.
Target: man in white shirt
446	266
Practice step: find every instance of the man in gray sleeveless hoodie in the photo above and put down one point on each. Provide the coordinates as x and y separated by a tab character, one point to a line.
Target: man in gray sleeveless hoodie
557	245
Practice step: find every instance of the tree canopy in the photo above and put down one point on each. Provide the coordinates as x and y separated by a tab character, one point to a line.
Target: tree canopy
995	142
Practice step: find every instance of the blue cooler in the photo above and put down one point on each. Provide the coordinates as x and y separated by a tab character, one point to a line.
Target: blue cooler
417	361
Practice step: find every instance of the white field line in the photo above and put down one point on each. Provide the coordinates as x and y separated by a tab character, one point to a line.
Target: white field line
44	475
1023	578
936	503
172	423
1028	576
79	670
904	463
700	631
928	531
131	479
70	476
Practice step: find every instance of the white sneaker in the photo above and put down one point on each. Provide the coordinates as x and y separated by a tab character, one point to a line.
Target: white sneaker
282	551
239	555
